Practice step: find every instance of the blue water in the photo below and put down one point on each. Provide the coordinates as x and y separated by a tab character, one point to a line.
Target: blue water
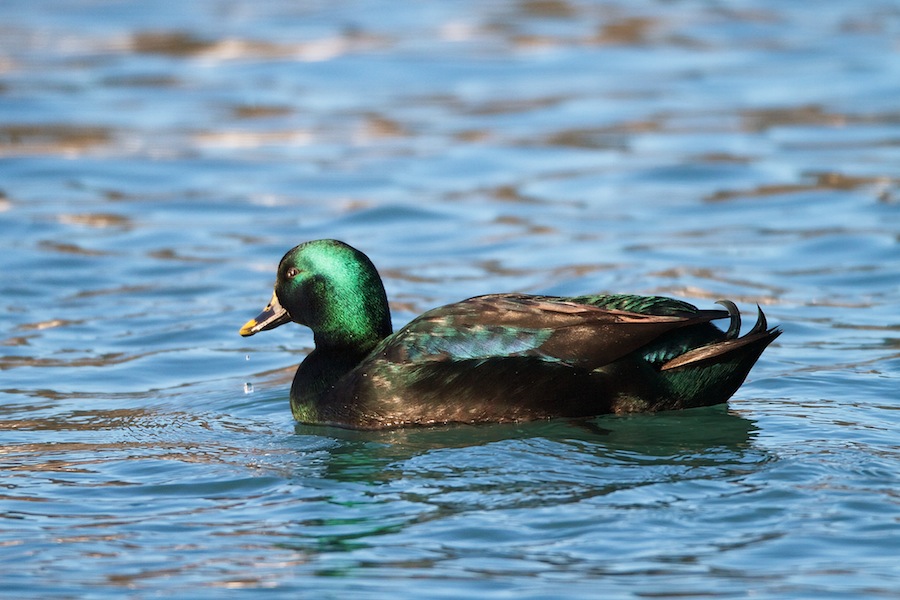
157	159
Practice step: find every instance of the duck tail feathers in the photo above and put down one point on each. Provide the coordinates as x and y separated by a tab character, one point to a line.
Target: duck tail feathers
752	344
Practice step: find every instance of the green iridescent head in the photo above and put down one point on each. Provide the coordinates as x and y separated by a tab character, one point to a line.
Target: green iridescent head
332	288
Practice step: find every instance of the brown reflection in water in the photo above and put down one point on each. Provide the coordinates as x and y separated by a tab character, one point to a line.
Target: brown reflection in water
527	227
378	126
109	358
99	220
142	81
78	457
52	323
511	193
723	157
820	181
169	254
160	435
513	105
169	43
50	138
767	118
124	289
186	44
614	136
258	111
770	297
611	26
629	30
94	420
472	135
64	248
548	8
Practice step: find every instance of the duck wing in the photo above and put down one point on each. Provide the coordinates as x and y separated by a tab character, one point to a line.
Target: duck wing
564	330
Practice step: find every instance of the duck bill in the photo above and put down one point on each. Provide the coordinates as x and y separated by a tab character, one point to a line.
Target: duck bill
271	317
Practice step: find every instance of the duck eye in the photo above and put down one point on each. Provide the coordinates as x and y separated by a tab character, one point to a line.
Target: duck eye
292	272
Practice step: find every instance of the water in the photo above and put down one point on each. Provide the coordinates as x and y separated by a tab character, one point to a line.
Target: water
157	159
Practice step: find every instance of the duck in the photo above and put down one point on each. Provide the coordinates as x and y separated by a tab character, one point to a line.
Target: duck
497	358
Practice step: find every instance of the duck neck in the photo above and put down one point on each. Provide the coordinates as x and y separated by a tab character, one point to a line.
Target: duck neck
316	376
341	345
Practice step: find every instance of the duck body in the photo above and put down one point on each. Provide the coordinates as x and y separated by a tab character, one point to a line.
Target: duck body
496	358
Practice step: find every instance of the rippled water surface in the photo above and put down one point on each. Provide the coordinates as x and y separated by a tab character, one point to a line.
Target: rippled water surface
157	159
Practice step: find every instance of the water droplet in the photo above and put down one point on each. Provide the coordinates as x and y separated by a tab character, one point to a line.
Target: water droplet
248	388
247	357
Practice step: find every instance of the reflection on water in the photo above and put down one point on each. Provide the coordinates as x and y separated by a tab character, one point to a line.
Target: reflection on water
158	159
545	463
661	434
50	139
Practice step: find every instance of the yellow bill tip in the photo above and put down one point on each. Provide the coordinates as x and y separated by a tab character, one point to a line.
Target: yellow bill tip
249	328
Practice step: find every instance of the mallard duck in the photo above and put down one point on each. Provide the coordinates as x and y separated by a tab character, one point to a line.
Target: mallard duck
495	358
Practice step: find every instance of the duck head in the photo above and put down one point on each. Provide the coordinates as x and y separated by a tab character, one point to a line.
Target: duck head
332	288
